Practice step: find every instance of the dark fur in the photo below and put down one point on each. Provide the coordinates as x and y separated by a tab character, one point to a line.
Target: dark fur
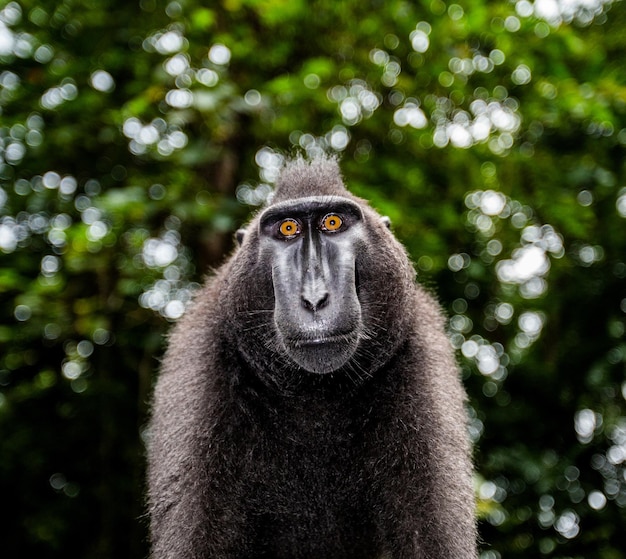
252	457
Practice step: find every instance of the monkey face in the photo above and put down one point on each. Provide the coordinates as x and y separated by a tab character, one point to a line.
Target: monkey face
311	245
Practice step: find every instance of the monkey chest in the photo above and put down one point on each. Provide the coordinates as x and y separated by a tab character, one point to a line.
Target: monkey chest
305	491
313	502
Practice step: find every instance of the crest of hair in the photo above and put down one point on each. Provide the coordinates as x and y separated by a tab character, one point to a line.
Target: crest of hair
300	177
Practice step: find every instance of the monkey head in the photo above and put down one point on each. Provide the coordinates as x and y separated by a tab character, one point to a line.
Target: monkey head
320	269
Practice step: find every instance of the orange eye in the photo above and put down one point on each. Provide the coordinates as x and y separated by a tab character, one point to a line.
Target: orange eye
289	228
332	222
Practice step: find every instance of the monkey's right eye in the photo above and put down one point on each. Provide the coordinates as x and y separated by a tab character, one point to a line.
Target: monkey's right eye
289	228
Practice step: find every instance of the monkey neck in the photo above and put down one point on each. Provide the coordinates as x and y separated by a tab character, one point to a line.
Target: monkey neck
302	394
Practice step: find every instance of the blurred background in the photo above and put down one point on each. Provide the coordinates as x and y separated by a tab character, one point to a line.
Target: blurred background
136	137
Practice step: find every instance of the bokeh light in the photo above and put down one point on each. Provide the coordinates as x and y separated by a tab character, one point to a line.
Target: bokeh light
490	134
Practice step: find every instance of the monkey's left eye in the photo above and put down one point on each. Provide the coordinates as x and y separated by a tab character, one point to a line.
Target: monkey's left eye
331	223
289	228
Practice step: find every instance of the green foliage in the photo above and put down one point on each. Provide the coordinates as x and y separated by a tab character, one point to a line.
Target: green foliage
136	137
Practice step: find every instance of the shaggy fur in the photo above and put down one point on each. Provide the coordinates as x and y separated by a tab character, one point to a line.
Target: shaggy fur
252	457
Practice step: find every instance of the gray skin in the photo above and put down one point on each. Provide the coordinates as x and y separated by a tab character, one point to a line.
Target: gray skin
309	404
319	322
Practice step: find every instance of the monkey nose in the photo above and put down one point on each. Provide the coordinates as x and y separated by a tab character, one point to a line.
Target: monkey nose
314	304
314	297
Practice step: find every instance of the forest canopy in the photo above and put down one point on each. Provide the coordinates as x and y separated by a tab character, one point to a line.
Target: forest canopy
136	137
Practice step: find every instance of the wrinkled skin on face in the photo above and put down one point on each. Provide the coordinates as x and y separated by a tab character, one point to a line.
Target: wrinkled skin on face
311	246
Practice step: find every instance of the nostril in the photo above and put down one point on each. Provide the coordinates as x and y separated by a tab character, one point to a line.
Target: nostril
315	301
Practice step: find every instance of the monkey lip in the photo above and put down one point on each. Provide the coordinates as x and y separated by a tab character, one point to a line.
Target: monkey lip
347	337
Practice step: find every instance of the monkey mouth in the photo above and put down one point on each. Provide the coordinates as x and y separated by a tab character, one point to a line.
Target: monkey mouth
322	354
322	340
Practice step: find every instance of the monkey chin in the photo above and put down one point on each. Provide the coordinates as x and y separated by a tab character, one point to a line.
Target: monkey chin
322	355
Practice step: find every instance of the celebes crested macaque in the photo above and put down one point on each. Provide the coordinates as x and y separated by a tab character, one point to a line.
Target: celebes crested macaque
309	405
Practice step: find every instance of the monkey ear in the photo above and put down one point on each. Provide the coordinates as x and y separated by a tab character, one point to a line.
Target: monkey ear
239	235
386	221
